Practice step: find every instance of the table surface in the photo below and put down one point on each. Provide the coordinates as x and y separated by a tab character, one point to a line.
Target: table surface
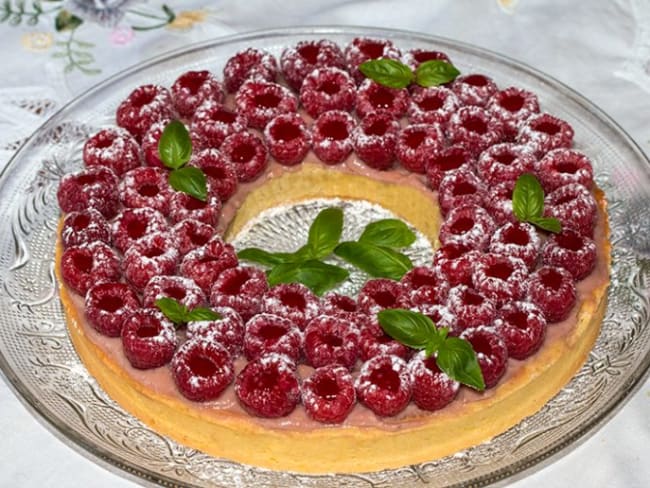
600	48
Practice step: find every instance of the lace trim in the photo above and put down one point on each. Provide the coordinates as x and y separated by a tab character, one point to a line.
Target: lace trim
636	67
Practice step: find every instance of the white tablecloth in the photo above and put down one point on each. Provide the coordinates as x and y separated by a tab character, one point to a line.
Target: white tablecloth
599	48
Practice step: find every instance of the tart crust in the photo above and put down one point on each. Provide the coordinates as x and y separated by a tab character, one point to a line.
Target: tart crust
350	448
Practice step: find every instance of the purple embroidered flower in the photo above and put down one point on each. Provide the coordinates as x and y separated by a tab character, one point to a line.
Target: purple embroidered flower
107	13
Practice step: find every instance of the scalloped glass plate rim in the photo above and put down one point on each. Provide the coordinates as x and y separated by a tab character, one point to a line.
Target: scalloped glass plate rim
517	468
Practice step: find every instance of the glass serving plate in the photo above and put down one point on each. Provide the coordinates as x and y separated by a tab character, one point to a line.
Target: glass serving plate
41	365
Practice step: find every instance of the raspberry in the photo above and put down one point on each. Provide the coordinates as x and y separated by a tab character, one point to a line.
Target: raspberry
94	187
372	96
522	327
499	202
384	385
472	309
84	227
433	105
374	140
148	339
204	264
146	187
260	101
181	289
190	234
145	106
299	61
221	176
331	340
331	136
133	224
152	255
416	144
474	89
424	284
293	301
500	278
505	162
519	240
249	64
475	128
192	89
328	394
327	89
333	303
461	187
183	206
415	57
553	291
373	341
246	154
268	386
448	159
562	166
228	330
571	251
212	123
202	370
150	141
454	262
363	49
107	306
513	106
491	352
240	288
114	148
543	132
379	294
468	225
574	206
432	388
287	139
89	264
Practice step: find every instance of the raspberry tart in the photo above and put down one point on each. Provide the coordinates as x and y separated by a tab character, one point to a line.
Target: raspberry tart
234	352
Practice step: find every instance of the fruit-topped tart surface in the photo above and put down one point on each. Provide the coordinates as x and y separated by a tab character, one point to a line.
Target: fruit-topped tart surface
343	259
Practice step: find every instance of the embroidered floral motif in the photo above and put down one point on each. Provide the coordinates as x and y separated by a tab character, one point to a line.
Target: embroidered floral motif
188	18
122	35
37	41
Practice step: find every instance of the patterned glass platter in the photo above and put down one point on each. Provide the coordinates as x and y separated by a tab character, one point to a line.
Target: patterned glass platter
39	362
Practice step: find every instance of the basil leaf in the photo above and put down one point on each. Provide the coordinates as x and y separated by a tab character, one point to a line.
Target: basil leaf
190	180
175	145
457	358
387	72
412	329
316	275
200	313
172	309
325	232
261	256
550	224
377	261
389	233
527	198
435	72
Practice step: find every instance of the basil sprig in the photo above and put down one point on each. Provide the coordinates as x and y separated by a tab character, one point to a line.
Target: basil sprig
305	265
180	314
454	356
528	204
375	253
394	74
175	150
